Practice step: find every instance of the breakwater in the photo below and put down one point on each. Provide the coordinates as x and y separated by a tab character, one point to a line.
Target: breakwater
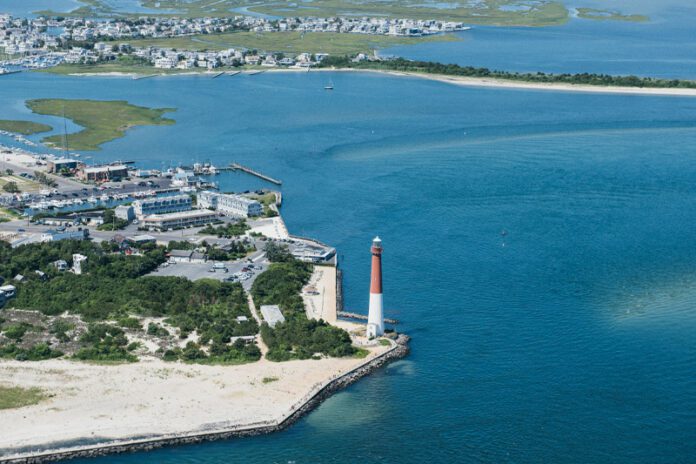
362	317
318	394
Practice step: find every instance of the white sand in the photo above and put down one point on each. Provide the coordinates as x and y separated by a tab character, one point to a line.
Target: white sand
480	82
270	227
154	398
319	294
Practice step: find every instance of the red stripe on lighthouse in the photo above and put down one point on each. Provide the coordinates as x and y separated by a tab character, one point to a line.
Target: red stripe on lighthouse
376	280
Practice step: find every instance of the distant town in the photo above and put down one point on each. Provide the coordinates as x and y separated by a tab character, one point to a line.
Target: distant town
46	42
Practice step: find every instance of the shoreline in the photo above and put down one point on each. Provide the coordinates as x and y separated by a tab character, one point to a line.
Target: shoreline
398	350
452	80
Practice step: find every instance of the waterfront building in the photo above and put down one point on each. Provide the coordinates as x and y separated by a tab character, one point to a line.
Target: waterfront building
375	318
191	218
161	205
58	164
230	205
103	173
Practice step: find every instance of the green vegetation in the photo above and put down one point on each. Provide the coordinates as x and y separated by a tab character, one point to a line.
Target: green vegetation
103	121
105	343
38	352
16	397
604	15
290	42
23	127
114	288
278	253
232	229
45	179
111	222
269	379
495	12
239	352
384	342
297	337
10	187
427	67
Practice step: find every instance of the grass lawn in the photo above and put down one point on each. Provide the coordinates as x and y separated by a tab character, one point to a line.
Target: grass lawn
291	42
24	185
16	397
103	121
23	127
593	13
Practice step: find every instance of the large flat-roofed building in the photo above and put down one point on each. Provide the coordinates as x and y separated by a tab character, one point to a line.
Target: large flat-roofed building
191	218
104	173
58	164
272	314
161	205
56	235
230	205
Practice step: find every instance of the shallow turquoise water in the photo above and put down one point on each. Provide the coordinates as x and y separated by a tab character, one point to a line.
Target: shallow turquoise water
569	339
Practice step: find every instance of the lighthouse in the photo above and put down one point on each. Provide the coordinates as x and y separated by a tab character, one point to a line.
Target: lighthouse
375	318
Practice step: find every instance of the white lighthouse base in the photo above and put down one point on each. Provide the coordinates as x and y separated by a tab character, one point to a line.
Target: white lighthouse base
375	316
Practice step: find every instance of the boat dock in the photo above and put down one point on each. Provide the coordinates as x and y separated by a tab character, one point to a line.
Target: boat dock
239	167
233	73
218	75
137	78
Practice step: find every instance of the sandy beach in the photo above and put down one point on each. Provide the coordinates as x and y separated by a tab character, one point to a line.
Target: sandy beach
463	81
101	404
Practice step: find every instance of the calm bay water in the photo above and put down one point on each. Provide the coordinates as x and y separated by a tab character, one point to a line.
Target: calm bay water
539	246
662	47
567	339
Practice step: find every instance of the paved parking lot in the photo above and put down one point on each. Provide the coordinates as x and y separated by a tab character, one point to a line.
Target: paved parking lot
196	271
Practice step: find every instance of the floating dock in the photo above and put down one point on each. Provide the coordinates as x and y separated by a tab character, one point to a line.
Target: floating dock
239	167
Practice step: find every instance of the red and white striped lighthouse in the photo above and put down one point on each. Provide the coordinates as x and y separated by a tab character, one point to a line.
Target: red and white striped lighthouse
375	318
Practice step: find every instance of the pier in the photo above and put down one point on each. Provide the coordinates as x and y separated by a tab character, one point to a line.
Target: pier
239	167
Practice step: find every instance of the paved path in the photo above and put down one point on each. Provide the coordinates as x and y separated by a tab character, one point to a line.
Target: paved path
259	340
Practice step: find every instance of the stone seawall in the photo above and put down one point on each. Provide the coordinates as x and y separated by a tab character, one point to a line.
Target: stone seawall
400	350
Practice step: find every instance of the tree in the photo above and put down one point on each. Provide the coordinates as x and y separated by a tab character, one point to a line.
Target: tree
11	187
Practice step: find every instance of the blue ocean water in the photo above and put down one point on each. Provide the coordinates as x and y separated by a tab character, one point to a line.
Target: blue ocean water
539	248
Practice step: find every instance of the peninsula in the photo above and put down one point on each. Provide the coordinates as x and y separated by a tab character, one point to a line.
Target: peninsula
141	313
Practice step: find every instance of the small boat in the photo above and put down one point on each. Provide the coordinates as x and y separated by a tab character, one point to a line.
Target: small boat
329	86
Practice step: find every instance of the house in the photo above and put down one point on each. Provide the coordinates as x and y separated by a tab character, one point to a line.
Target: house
8	291
141	239
61	265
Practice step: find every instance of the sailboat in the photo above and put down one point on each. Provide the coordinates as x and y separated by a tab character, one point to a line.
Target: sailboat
329	86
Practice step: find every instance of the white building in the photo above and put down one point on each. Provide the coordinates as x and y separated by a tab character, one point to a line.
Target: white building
230	205
191	218
272	314
161	205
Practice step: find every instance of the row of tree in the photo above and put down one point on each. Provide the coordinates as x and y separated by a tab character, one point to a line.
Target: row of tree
404	65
